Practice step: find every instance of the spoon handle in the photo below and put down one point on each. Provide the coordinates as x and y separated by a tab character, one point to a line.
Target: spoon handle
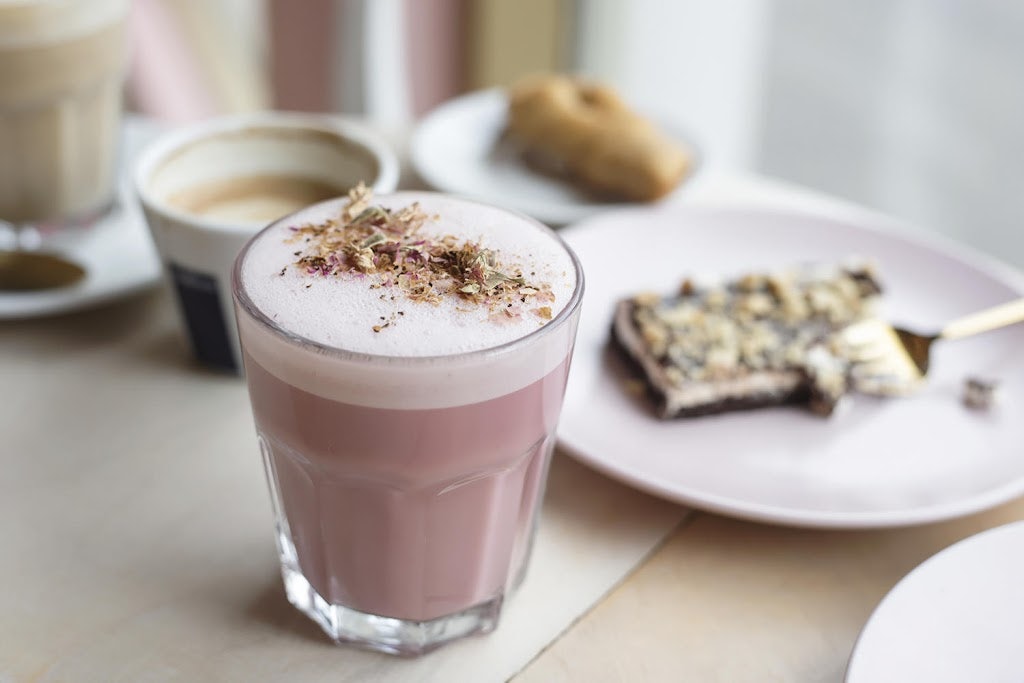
983	321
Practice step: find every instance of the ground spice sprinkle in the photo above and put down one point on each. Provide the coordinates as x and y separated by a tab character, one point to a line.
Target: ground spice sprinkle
388	247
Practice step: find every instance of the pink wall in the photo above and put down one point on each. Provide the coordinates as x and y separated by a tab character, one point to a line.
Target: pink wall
436	50
302	35
165	80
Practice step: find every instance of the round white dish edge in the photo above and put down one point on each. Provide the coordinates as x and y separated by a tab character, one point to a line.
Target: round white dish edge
956	616
456	148
609	431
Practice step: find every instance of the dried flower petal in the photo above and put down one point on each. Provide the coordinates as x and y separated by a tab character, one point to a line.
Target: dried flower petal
371	240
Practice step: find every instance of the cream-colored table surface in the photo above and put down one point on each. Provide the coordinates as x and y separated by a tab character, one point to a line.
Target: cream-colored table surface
135	529
136	540
727	601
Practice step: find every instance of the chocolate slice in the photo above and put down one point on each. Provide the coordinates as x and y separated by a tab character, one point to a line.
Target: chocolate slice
759	340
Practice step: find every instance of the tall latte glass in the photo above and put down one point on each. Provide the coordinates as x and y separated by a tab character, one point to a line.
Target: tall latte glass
406	359
62	64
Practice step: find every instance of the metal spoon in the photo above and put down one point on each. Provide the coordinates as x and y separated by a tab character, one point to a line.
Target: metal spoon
892	360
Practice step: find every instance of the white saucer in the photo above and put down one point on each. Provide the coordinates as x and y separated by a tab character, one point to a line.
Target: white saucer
874	463
117	253
959	616
459	148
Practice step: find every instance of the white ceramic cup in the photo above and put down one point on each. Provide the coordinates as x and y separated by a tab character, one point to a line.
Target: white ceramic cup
198	249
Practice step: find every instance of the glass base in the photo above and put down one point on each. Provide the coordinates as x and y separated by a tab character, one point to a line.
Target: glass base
396	635
60	234
373	632
386	634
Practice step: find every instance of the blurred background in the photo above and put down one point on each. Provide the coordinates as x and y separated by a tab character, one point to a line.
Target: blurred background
913	107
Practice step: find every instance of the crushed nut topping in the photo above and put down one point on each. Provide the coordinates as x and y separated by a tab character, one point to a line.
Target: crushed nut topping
753	323
387	247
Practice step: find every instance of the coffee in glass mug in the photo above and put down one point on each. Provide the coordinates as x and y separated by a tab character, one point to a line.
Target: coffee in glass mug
62	64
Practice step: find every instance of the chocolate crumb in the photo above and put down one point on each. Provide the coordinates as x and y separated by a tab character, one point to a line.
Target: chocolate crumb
979	394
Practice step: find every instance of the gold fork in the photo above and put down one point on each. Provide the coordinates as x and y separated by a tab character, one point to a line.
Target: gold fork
892	360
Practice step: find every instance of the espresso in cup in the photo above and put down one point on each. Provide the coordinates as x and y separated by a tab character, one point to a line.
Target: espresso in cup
207	188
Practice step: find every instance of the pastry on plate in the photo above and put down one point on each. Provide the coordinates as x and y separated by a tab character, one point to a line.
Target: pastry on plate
587	132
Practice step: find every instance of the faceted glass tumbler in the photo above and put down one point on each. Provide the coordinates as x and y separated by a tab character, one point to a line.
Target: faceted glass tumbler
401	527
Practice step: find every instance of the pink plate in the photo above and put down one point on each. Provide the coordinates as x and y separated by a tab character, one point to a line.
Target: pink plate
876	463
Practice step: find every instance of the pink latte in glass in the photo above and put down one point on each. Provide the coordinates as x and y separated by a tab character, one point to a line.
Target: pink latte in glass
406	369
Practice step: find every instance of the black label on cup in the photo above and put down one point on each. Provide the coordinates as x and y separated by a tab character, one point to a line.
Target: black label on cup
204	317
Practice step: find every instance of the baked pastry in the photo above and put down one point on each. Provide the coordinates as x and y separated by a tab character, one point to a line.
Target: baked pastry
587	131
759	340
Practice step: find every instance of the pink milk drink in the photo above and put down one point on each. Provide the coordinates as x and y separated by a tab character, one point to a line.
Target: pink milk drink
406	358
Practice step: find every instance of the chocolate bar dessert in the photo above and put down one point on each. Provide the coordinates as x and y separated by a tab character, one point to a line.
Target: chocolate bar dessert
759	340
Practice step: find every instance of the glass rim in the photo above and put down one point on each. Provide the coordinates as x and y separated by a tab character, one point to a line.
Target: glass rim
241	297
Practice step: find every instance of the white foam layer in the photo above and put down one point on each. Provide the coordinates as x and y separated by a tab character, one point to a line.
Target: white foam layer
341	311
440	355
26	22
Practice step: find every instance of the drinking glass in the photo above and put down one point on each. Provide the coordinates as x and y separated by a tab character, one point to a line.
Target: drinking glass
62	65
405	489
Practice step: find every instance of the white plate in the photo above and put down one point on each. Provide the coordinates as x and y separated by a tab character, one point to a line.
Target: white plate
959	616
459	148
876	463
117	253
